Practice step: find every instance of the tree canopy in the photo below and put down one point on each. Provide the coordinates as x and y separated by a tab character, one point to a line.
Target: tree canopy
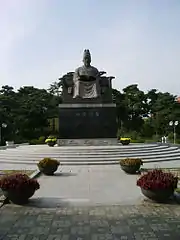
26	112
139	114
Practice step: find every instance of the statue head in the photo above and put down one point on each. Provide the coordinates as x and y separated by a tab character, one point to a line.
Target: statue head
87	58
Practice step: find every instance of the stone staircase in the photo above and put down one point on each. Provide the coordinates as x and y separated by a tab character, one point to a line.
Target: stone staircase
91	155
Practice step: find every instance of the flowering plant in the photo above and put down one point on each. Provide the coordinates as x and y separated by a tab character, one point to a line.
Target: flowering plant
19	182
131	162
48	163
51	139
157	179
125	139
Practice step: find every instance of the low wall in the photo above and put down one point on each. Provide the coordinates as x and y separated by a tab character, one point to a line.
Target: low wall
87	142
13	146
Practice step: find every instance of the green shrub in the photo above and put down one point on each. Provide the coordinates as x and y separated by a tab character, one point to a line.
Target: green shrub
37	141
156	138
33	142
42	139
139	140
150	141
133	135
20	141
171	136
178	141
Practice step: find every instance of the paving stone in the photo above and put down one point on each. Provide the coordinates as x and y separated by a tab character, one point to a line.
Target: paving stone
146	222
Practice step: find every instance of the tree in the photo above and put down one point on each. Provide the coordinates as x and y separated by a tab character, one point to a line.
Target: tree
162	110
135	101
27	110
35	107
55	89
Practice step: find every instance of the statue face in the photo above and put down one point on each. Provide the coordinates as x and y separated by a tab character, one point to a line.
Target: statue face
87	61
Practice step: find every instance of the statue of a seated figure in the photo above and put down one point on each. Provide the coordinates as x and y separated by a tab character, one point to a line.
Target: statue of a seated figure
86	83
86	79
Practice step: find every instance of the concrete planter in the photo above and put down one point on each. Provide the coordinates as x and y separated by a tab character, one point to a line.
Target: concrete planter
49	171
51	144
125	142
159	195
131	169
17	197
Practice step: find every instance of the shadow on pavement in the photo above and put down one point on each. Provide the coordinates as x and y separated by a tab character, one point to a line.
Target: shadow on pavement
64	174
55	202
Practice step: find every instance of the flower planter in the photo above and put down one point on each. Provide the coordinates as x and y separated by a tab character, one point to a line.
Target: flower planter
51	144
19	197
131	169
49	171
159	195
125	142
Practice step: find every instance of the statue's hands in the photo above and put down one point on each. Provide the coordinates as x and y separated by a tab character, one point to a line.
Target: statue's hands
84	78
91	78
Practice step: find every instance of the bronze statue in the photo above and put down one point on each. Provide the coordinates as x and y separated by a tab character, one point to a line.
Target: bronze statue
86	79
86	84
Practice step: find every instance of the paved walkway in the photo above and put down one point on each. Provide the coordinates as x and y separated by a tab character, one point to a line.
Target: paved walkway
88	185
89	203
148	222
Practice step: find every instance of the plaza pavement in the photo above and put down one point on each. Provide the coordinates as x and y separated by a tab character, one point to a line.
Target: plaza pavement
88	185
143	222
89	203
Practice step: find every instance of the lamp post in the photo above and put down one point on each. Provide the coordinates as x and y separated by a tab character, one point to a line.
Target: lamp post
174	124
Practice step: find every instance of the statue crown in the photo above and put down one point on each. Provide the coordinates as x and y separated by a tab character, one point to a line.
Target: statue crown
87	53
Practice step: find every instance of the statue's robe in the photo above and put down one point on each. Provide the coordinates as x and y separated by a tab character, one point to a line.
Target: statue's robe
86	89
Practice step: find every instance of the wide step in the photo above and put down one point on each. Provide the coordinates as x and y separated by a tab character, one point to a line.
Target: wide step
90	155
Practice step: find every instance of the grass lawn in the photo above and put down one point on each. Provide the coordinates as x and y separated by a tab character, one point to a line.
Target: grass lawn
8	172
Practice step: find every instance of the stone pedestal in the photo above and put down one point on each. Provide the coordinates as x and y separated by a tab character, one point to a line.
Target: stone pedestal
88	142
85	121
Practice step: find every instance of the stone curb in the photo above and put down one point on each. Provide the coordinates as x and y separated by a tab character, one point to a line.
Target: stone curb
4	200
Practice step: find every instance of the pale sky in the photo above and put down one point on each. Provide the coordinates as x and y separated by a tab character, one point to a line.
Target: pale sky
137	41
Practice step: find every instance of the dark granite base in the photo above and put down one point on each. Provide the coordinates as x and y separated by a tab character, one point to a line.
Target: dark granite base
79	121
88	142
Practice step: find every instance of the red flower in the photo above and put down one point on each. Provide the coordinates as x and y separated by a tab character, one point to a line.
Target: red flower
157	179
18	182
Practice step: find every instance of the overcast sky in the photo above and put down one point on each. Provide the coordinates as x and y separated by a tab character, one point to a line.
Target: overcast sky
137	41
